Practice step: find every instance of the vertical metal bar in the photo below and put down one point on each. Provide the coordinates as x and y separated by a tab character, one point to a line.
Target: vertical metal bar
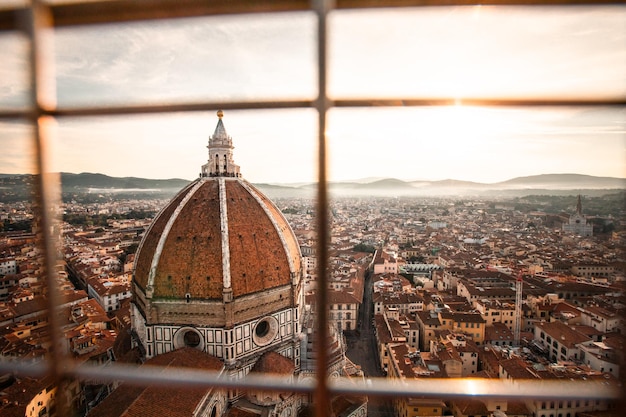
321	396
47	191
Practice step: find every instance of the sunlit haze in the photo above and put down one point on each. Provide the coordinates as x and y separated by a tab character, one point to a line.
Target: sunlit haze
457	53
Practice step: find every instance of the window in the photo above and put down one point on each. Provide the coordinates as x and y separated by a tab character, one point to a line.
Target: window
267	328
191	338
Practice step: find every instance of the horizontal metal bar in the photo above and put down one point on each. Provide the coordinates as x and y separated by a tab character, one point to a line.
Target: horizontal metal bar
11	114
177	107
487	102
115	11
290	104
118	110
440	388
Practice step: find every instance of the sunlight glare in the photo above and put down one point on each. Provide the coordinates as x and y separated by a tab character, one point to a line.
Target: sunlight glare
471	389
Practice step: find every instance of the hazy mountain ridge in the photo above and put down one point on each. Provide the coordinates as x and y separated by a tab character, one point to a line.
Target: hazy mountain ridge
91	180
452	183
557	184
13	187
565	180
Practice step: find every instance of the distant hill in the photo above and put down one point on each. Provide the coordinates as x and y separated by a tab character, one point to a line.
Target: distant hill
557	184
456	183
564	181
92	186
88	180
386	184
548	184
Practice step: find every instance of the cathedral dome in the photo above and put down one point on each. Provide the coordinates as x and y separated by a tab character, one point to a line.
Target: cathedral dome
219	240
217	233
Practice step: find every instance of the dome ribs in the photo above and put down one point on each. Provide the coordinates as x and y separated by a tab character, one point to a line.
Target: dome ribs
286	234
261	251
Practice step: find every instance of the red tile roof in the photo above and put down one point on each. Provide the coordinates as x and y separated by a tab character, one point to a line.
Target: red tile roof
158	401
273	363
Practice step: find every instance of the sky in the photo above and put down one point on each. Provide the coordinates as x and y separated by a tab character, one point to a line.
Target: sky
450	52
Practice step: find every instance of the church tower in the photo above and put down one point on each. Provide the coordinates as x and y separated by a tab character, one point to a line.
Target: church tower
219	270
578	222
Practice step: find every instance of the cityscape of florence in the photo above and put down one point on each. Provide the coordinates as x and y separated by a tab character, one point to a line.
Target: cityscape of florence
264	294
220	278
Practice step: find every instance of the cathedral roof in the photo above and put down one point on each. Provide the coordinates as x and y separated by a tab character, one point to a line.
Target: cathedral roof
133	400
273	363
218	234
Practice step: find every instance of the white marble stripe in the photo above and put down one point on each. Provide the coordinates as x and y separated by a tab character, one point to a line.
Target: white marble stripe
224	232
148	231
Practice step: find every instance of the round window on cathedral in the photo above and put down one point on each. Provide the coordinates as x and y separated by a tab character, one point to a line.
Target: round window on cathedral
188	337
265	331
262	329
191	338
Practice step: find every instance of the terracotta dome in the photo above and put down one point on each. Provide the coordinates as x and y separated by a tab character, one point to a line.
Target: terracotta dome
218	240
217	233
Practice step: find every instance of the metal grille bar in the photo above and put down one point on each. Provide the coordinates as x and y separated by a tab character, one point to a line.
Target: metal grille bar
438	388
109	11
133	109
41	17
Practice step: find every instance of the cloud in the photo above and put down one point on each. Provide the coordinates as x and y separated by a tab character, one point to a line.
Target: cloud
14	71
16	142
201	58
455	52
498	52
475	143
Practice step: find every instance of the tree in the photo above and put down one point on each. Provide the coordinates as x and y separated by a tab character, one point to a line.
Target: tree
362	247
419	259
130	249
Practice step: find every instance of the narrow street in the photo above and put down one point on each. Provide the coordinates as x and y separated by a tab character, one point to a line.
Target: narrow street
362	350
